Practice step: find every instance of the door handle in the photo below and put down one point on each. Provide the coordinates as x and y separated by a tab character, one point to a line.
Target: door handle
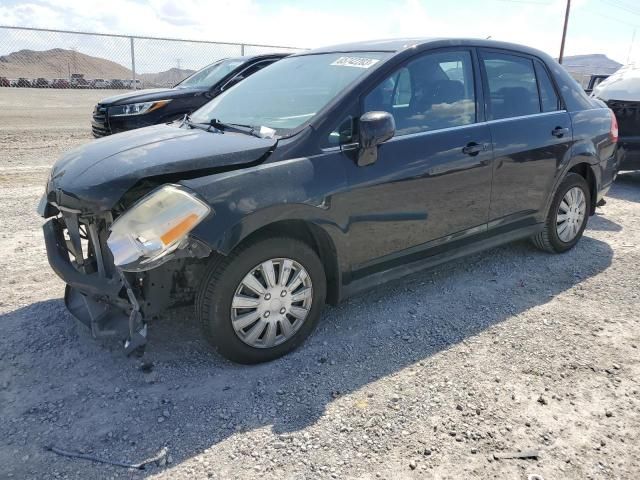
473	148
560	132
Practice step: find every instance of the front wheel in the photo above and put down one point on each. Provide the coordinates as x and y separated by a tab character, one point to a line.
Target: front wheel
263	300
567	217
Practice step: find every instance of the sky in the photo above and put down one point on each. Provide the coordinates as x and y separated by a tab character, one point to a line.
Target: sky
595	26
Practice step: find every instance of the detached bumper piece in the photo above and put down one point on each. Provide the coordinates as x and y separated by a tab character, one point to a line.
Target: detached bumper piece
96	294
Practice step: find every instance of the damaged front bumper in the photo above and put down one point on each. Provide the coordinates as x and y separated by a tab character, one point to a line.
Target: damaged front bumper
109	301
105	304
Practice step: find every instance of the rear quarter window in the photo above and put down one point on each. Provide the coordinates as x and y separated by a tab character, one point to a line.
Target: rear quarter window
549	98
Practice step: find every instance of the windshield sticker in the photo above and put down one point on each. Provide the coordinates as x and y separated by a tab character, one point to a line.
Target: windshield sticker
358	62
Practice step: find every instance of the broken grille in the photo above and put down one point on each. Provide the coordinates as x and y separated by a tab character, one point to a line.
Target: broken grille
86	239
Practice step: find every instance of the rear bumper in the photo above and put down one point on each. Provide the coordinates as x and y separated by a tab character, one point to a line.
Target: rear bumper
629	153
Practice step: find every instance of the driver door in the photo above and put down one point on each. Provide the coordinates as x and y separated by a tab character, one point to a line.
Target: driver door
431	183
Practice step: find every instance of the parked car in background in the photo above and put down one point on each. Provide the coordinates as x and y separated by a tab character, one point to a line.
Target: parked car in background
142	108
41	83
329	172
4	82
116	84
133	85
23	82
621	92
78	81
60	83
99	83
594	81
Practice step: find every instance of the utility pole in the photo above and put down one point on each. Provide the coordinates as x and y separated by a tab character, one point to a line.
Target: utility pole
564	31
133	66
633	39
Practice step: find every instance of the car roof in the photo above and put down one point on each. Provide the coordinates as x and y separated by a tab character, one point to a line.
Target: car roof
398	45
247	58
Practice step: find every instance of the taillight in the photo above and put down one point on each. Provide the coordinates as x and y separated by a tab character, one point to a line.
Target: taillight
613	133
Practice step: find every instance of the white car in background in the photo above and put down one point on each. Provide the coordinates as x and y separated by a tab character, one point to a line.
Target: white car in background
100	83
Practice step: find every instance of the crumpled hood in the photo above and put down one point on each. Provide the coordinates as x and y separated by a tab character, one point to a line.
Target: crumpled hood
96	175
151	94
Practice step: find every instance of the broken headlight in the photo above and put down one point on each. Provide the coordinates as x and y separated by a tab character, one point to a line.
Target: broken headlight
154	227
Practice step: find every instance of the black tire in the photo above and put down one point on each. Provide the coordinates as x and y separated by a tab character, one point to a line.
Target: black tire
222	278
548	239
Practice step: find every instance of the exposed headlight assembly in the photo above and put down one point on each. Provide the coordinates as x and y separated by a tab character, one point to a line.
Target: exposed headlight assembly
155	226
136	108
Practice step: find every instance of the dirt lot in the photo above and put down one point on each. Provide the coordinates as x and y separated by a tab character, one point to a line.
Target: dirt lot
427	377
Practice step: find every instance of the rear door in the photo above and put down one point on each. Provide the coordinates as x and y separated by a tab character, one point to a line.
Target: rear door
531	134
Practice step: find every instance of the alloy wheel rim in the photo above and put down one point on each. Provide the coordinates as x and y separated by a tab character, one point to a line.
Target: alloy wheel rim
271	303
571	214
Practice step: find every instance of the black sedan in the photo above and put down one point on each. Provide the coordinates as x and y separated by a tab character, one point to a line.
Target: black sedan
142	108
332	171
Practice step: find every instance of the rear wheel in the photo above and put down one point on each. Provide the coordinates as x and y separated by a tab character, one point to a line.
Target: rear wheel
263	300
567	217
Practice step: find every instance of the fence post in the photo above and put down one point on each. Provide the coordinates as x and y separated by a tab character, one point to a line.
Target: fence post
133	65
242	49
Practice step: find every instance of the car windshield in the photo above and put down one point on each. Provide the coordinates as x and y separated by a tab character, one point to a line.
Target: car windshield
209	76
289	92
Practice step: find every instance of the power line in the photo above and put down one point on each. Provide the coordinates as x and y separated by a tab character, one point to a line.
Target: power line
593	12
528	2
626	4
633	40
621	6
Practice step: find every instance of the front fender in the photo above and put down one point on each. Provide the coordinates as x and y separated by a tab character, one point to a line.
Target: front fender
248	199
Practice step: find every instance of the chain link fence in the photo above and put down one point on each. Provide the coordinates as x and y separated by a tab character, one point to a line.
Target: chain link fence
42	58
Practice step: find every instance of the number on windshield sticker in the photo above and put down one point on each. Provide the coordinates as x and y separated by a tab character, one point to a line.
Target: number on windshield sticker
358	62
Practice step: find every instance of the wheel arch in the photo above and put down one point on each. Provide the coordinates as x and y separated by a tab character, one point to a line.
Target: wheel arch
311	234
584	164
586	171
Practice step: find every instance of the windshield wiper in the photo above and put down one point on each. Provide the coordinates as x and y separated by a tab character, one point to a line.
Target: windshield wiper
260	132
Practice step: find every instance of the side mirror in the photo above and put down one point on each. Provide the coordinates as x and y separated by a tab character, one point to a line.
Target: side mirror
375	128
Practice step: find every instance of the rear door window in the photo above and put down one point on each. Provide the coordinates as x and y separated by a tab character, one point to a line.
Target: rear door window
513	90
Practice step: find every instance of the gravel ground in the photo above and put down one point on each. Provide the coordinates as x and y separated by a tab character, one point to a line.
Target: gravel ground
427	377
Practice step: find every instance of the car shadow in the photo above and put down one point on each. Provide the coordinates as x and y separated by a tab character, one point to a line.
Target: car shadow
601	223
189	399
626	187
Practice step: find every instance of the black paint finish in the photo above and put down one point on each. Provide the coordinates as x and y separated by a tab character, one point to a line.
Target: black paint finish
526	158
97	175
428	196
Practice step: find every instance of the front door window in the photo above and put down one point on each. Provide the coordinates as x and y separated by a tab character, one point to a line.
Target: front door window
433	92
